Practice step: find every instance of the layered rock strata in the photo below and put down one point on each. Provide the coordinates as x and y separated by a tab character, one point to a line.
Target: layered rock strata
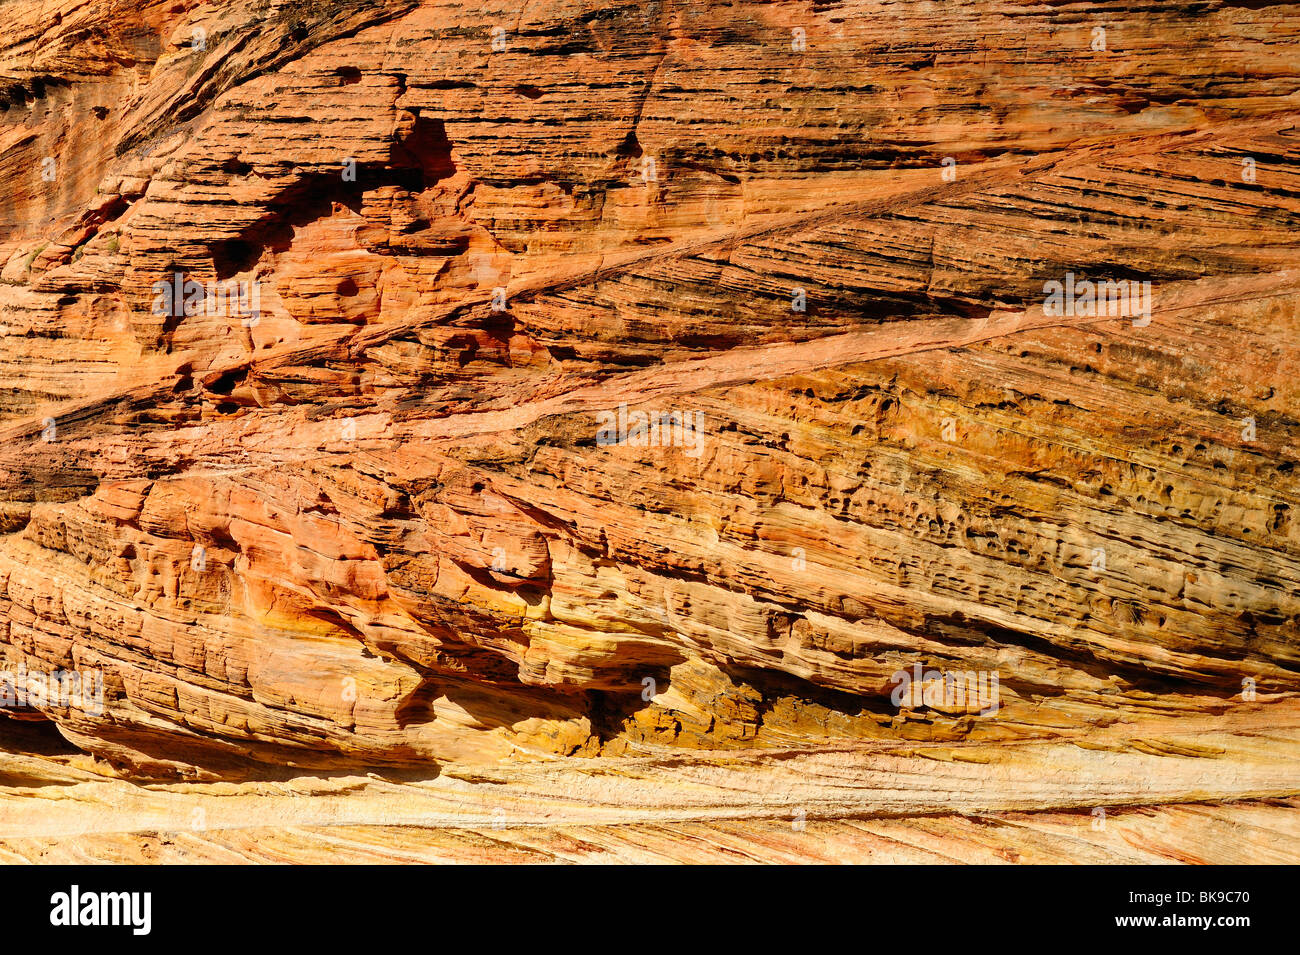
657	381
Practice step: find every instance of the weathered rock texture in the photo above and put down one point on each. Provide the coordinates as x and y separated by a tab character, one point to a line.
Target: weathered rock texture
376	527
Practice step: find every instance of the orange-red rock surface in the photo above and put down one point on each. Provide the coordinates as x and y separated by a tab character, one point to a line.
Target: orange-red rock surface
372	523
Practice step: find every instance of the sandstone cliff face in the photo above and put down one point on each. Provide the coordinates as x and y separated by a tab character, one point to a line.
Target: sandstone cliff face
369	514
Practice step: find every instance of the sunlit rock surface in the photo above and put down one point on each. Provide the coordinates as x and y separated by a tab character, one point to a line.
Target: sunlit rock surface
661	392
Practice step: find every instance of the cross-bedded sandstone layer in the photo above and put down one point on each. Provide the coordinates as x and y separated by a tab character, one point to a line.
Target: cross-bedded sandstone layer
377	523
